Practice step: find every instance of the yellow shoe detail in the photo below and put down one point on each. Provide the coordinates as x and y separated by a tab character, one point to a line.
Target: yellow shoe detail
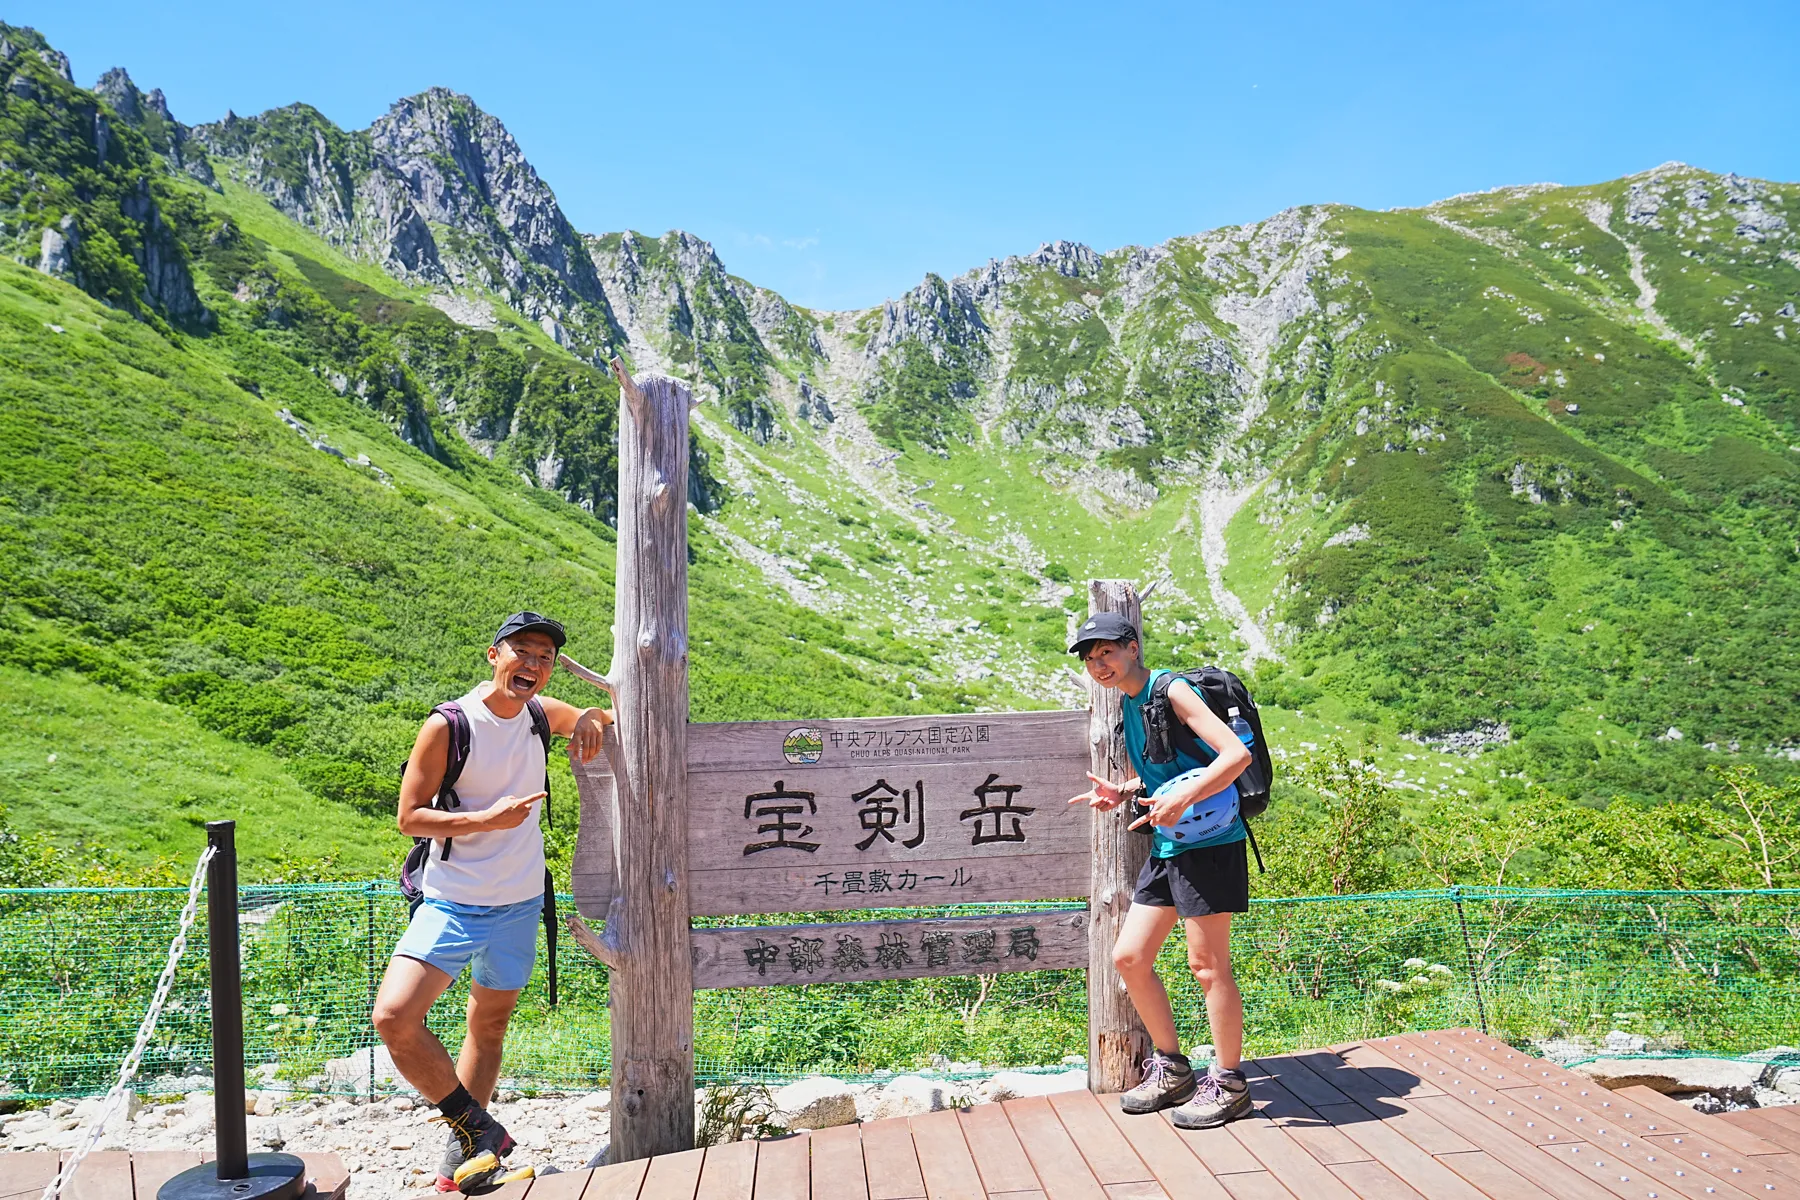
477	1169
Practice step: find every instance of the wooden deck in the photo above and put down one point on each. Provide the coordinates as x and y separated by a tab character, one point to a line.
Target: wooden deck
1436	1116
122	1175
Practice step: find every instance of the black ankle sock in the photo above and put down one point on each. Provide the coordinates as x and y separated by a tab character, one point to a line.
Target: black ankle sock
457	1103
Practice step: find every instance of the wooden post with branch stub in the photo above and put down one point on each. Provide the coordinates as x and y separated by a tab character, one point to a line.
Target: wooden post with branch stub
647	929
1117	1041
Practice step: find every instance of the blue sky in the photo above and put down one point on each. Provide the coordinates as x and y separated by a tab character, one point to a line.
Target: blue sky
836	152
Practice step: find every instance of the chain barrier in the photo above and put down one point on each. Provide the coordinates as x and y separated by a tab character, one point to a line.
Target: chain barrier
129	1067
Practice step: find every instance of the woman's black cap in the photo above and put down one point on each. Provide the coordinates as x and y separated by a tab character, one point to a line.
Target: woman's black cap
530	622
1103	627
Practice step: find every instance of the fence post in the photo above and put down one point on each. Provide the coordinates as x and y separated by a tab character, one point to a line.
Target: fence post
369	980
1469	954
1117	1041
652	992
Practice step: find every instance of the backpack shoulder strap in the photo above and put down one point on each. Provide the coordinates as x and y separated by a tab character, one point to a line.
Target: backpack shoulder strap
458	755
540	725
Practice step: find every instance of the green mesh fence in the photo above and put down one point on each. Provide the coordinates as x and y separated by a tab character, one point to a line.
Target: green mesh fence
1717	972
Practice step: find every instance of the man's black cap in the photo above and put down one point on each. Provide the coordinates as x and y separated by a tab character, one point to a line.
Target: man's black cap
530	622
1103	627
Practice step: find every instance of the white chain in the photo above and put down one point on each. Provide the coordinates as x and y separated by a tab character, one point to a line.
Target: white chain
128	1069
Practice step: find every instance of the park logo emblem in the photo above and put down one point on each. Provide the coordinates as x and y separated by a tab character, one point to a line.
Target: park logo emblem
803	747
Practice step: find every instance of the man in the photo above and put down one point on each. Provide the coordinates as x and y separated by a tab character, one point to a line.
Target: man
1196	873
483	899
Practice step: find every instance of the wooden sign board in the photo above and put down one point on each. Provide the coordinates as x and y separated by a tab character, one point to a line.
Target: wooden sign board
850	951
876	812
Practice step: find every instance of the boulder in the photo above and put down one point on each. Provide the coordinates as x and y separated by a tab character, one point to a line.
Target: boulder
353	1071
1620	1042
1011	1085
1785	1080
817	1102
1725	1078
909	1096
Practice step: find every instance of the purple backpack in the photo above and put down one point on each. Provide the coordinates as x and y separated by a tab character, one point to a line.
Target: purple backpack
412	870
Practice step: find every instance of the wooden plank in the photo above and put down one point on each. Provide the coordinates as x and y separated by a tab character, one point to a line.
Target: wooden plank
617	1181
518	1189
729	1172
1255	1185
1755	1123
1752	1173
102	1175
1117	1041
1299	1171
28	1173
841	952
1312	1132
1500	1106
1373	1065
1167	1156
1142	1190
1108	1153
1390	1147
896	742
1608	1167
1493	1177
150	1169
651	996
673	1176
1672	1116
1369	1178
330	1177
996	1150
1379	1088
784	1168
563	1185
1216	1149
1033	1195
891	1161
1053	1153
944	1158
1784	1114
1519	1153
837	1164
1304	1085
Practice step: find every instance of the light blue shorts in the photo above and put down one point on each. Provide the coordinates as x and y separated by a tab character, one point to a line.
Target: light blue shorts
500	939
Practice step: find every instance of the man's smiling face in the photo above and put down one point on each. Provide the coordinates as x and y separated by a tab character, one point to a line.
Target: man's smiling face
1110	662
522	664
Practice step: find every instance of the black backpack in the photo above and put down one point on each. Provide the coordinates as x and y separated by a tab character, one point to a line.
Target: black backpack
412	869
1165	735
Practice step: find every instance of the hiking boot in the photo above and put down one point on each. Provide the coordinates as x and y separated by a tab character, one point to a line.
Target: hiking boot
482	1142
1166	1083
1218	1098
511	1175
453	1159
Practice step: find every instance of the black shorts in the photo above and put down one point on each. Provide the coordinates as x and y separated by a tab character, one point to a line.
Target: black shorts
1197	883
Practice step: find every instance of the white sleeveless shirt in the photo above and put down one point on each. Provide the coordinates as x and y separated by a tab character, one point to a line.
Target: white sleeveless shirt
501	866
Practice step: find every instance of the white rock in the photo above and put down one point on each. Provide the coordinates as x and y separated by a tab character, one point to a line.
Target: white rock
401	1104
909	1096
1786	1081
816	1102
590	1104
265	1104
1619	1041
1010	1085
1725	1078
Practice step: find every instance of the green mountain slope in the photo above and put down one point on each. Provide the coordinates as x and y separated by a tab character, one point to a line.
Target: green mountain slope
296	413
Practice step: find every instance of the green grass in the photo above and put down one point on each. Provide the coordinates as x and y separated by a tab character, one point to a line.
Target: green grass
111	774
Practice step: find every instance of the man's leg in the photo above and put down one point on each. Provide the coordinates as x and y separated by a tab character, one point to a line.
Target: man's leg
408	991
478	1064
1209	957
1146	928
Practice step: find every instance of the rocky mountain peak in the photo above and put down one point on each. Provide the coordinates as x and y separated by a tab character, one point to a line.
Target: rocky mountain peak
1067	258
149	112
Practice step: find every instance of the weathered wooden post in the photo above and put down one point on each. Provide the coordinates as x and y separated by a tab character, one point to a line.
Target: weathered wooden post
652	986
1117	1042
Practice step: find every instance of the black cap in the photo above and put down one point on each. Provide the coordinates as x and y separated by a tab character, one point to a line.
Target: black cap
530	622
1103	627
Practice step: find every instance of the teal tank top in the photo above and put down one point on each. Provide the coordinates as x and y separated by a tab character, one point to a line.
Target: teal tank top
1155	775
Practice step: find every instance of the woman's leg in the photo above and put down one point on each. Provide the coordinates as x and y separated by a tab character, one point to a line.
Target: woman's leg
1209	957
1134	954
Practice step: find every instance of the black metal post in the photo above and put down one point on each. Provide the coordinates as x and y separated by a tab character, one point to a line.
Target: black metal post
235	1174
1469	954
227	1001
